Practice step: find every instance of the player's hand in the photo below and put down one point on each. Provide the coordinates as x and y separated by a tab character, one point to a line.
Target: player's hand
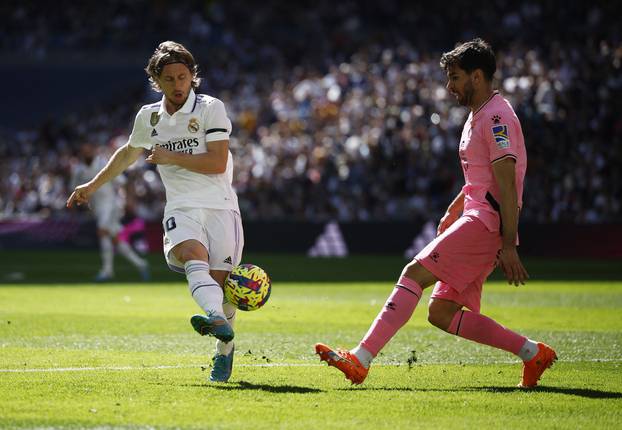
448	219
80	195
160	155
512	267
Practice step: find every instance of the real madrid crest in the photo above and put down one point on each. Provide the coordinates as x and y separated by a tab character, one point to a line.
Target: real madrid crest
155	118
193	125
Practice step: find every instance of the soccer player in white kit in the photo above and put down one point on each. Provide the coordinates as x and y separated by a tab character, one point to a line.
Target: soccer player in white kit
188	136
108	211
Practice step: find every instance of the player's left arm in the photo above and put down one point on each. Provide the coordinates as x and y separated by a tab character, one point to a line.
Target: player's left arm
505	176
212	162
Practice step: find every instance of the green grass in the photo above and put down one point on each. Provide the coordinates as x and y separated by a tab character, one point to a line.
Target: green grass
126	357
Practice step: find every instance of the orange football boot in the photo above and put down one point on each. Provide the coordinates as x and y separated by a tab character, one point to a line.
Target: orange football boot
344	361
534	368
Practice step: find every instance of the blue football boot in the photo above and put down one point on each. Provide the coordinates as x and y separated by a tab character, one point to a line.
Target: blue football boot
223	365
212	325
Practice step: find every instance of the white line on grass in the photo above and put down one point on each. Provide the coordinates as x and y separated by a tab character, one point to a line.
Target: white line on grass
193	366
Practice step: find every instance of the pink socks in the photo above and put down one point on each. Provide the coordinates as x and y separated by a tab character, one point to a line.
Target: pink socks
481	329
396	312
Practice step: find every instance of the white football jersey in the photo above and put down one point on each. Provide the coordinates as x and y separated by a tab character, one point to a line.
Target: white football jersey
106	195
201	119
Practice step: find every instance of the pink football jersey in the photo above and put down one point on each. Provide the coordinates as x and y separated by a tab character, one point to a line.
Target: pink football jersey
490	134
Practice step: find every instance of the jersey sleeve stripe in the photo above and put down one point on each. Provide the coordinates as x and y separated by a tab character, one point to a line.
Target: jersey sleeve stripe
214	130
502	157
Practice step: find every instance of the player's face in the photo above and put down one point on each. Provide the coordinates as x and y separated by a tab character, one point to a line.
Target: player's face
460	85
175	82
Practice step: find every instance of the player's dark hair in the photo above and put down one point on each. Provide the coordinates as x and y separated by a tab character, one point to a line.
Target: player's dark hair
170	52
469	56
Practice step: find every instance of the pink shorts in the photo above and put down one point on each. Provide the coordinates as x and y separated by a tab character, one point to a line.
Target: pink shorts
462	258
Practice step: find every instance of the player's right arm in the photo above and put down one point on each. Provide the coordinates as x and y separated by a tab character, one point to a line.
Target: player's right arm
453	213
120	160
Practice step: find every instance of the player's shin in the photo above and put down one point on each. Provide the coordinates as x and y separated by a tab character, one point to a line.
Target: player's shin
481	329
204	289
397	310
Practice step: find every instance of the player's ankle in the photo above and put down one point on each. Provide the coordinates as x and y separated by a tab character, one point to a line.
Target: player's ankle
363	355
529	350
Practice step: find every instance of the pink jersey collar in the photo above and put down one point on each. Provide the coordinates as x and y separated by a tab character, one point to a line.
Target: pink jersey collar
494	93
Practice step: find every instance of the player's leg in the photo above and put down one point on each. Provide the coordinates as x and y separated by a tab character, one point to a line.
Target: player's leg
205	291
186	251
473	252
225	234
106	251
396	312
107	229
449	316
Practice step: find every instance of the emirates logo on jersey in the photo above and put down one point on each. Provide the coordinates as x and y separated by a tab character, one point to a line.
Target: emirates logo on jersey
184	145
193	125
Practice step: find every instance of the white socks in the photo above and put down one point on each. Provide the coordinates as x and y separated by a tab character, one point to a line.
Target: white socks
529	350
363	355
223	348
204	289
107	254
126	250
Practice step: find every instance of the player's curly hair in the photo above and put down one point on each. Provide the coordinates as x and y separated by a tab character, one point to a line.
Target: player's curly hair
170	52
475	54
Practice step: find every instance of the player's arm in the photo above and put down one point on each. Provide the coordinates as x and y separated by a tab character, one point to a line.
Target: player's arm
504	172
455	209
214	161
120	160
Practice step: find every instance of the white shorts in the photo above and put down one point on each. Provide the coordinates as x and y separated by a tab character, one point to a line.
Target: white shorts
219	230
108	218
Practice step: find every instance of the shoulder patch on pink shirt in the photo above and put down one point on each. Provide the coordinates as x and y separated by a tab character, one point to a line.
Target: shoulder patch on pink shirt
501	135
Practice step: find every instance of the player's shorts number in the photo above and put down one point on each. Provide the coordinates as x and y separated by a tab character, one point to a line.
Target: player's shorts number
170	223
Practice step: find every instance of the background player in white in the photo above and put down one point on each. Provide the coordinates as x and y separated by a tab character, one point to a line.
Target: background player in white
107	206
188	135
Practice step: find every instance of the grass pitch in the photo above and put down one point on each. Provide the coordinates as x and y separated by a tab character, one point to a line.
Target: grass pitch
125	356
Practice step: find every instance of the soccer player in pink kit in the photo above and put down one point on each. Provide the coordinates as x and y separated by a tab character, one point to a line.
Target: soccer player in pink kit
478	232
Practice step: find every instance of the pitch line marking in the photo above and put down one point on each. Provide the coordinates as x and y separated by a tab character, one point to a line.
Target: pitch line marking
192	366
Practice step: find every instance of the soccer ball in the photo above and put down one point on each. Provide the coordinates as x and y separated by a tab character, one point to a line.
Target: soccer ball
248	287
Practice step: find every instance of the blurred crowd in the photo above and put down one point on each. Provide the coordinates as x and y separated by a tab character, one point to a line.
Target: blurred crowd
339	108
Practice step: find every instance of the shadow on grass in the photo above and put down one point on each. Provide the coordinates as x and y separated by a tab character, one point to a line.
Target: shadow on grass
243	385
581	392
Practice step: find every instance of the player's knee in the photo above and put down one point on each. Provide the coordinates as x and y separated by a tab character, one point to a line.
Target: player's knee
422	276
440	316
190	250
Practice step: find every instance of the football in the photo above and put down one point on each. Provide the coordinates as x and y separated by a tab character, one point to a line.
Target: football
248	287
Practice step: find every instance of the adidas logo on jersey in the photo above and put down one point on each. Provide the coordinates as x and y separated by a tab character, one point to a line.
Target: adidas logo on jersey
154	133
228	260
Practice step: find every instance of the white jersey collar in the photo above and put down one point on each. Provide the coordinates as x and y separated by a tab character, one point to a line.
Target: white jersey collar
188	107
